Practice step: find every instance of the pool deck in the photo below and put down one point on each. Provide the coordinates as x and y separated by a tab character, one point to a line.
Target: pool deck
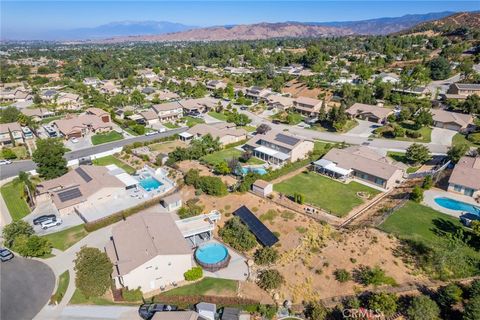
430	195
237	268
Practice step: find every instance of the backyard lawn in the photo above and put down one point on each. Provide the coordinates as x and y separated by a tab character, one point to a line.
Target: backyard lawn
12	193
64	239
206	286
106	137
227	154
105	161
192	121
218	115
332	196
79	298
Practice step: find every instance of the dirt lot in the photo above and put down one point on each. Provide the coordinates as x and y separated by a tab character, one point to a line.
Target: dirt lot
186	165
167	147
297	89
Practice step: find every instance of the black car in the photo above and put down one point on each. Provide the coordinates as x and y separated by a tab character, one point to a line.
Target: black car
147	310
43	218
5	255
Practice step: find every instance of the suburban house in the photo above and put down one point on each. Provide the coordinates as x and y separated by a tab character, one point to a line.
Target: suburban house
81	187
279	148
148	251
257	93
420	92
369	112
10	133
307	106
451	120
37	114
279	102
79	126
69	101
213	85
18	95
465	177
462	90
150	116
391	77
226	133
109	87
91	81
170	111
172	202
102	114
362	164
200	105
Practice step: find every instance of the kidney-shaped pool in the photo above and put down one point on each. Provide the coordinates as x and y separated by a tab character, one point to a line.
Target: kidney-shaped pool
456	205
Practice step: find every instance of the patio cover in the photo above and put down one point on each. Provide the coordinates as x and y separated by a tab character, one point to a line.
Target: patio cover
330	166
127	179
185	135
272	153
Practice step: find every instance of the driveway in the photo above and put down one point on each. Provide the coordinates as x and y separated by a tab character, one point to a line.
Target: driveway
442	136
82	143
363	129
26	287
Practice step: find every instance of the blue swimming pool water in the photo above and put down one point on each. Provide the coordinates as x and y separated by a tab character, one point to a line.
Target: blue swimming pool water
150	184
211	253
457	205
260	171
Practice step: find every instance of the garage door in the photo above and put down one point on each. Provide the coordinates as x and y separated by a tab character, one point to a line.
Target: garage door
453	127
371	119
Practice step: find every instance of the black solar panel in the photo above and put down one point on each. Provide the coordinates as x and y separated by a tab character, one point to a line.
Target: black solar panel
83	174
287	139
263	234
69	194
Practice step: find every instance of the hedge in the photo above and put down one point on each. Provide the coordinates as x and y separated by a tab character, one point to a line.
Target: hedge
101	223
133	295
193	274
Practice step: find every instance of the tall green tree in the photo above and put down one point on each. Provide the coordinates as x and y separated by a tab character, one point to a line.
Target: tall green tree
423	308
417	154
93	270
49	157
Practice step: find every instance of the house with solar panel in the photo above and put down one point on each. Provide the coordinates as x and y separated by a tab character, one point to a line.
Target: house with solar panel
279	148
84	186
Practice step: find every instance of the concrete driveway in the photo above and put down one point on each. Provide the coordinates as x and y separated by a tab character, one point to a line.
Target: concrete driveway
26	287
363	129
442	136
82	143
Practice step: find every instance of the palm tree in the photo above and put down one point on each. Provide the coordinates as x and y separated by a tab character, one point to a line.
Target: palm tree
28	184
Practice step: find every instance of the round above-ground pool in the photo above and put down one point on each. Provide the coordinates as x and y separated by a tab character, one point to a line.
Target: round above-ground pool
212	256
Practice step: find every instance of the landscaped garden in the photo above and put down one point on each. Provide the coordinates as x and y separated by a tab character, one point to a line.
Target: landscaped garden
227	154
332	196
191	121
105	161
100	138
12	194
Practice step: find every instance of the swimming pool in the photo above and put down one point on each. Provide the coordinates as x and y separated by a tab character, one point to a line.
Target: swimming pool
150	184
457	205
260	171
212	256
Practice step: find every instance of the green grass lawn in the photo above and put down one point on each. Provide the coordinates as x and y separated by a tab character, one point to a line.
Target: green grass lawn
400	157
426	133
79	298
170	125
206	286
192	121
218	115
12	193
105	161
20	152
224	155
50	119
248	128
64	239
106	137
333	196
462	139
63	281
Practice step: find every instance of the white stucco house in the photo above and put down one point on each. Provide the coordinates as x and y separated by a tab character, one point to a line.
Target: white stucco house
149	252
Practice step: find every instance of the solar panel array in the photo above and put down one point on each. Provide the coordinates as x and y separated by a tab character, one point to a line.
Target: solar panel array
69	194
291	141
263	234
83	174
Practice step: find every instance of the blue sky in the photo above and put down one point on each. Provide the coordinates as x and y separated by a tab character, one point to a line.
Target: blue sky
29	17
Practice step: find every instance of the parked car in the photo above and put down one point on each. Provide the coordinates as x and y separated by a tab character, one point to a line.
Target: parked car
51	223
2	162
148	310
45	217
243	108
5	255
150	133
74	140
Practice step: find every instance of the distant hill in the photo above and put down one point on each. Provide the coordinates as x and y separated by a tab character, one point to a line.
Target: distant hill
449	23
119	29
383	26
243	32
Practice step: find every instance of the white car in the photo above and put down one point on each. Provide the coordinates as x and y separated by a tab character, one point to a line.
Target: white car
151	133
74	140
2	162
51	223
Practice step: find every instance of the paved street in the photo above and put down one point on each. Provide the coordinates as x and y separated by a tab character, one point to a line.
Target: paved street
26	286
27	165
